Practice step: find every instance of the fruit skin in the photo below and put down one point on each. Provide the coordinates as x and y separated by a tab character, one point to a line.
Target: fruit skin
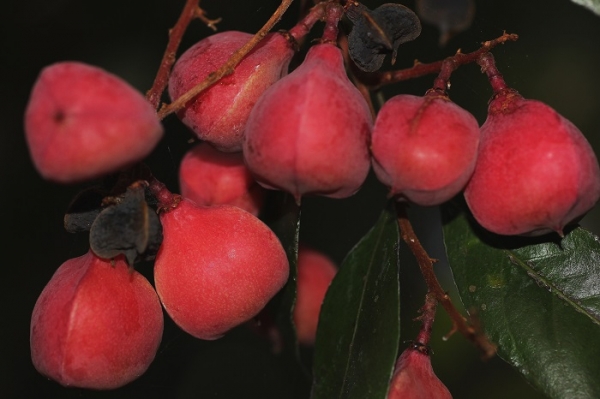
535	171
210	177
309	132
424	148
414	377
82	122
96	324
218	115
217	267
315	273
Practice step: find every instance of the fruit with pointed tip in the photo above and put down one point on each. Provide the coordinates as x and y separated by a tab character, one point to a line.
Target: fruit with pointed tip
211	177
424	148
217	267
309	132
218	115
315	273
414	377
535	171
97	324
82	122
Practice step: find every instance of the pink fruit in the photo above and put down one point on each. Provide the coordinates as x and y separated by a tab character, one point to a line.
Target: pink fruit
82	122
414	377
217	267
424	148
309	132
535	171
315	273
218	115
210	177
97	324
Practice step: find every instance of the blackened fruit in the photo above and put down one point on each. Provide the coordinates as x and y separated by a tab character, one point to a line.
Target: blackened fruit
218	115
424	148
535	171
309	133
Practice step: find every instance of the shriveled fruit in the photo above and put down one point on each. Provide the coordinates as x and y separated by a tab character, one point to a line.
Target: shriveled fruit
82	122
414	377
535	171
315	273
211	177
424	148
217	267
218	115
97	324
309	132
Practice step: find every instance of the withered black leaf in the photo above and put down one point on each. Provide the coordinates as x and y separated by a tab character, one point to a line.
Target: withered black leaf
129	227
84	209
379	32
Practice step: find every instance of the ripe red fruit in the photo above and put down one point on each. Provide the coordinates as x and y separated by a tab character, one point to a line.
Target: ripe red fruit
414	377
96	324
210	177
424	148
315	273
309	132
535	171
218	115
82	122
217	267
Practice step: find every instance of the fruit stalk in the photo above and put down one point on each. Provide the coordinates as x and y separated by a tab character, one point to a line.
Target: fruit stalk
425	262
488	66
379	79
190	11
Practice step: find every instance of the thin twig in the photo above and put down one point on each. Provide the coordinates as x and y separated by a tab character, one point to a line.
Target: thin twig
228	67
378	79
487	348
190	11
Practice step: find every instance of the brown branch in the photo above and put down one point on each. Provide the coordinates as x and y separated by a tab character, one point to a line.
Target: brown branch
190	11
228	67
378	79
476	336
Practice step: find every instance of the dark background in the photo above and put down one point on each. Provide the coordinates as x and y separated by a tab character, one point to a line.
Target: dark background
556	60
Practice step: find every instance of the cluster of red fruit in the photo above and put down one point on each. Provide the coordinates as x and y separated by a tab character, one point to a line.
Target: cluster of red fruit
527	170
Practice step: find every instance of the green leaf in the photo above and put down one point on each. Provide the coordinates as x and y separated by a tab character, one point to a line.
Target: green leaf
537	299
359	325
593	5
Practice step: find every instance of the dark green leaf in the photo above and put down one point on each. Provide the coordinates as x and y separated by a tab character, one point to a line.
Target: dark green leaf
593	5
359	325
538	300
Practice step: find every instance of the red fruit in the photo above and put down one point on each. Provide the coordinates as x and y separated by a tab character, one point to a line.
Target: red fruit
210	177
83	122
424	148
309	133
217	267
414	377
218	115
315	273
97	324
535	171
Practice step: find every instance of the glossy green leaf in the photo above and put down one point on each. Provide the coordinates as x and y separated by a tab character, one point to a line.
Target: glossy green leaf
593	5
359	325
537	299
